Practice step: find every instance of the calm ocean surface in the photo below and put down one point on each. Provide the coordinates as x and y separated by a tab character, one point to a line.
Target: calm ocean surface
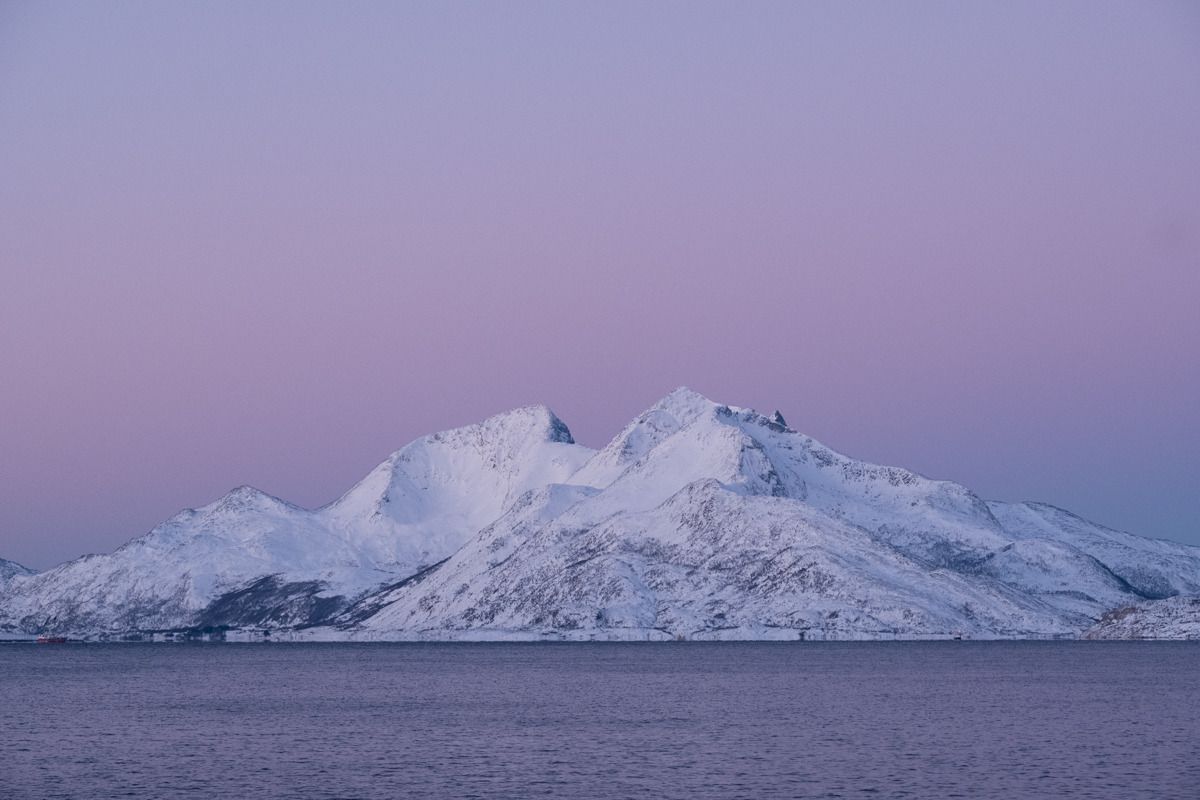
921	720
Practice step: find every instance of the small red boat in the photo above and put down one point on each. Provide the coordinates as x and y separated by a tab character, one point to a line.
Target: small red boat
52	640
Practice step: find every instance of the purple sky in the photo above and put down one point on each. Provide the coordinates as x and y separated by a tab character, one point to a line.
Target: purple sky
269	244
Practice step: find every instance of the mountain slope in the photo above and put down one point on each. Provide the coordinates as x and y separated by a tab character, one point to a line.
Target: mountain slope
1171	618
706	563
1155	568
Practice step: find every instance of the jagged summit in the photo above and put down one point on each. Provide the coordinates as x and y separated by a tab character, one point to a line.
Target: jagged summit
556	429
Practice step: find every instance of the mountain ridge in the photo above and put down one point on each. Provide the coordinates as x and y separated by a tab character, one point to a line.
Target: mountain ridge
9	569
697	520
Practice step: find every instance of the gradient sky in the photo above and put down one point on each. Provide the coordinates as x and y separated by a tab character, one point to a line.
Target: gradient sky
269	244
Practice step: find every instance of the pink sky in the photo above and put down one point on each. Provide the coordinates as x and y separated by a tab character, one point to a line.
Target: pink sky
269	244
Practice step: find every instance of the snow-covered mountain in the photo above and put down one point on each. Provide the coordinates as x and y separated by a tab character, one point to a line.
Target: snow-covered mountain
705	521
699	520
270	562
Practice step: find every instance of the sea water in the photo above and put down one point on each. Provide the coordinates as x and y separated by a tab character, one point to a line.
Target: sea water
687	720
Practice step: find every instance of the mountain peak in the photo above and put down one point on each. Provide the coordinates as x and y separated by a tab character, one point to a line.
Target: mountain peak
662	420
537	419
683	403
436	491
243	498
